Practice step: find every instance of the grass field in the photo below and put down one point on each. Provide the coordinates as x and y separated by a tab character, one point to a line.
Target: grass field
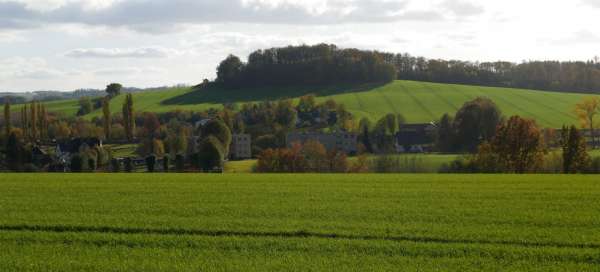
417	101
194	222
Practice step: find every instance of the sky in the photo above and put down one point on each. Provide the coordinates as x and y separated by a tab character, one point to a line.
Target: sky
71	44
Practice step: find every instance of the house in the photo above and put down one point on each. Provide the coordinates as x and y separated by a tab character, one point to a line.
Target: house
342	141
241	147
415	138
66	148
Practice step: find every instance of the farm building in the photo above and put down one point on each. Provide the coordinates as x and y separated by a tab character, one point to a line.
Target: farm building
343	141
241	147
415	138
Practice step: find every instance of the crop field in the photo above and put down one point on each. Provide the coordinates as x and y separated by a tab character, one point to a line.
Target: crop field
417	101
193	222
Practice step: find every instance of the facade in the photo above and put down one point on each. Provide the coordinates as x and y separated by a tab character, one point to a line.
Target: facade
342	141
241	147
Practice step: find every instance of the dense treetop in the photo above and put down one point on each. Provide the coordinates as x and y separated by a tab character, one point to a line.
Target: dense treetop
328	64
305	65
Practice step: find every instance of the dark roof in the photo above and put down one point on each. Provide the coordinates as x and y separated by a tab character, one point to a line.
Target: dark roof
73	145
424	126
413	137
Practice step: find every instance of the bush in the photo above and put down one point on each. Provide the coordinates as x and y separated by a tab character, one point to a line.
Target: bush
166	162
128	165
76	163
150	163
594	167
91	164
115	165
459	165
180	163
397	164
211	154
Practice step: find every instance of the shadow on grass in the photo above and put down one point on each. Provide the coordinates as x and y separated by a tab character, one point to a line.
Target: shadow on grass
218	95
284	234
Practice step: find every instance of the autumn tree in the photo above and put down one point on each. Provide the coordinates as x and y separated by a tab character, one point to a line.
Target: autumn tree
7	121
33	122
44	122
518	145
575	156
587	110
107	121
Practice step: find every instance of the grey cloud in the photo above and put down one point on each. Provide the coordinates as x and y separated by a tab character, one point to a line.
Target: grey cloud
145	52
579	37
593	3
164	15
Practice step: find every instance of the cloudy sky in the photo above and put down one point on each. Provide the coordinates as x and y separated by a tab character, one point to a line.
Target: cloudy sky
70	44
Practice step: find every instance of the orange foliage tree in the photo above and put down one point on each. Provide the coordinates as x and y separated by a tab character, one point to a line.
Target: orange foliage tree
518	145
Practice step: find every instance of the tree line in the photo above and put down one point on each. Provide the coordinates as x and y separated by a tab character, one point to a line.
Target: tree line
304	65
328	64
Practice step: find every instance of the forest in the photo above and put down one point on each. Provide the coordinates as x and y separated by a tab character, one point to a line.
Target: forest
328	64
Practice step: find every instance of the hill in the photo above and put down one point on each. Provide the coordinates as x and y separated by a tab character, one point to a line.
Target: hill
417	101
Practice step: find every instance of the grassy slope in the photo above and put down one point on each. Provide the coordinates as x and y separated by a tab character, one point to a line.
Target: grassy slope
298	222
417	101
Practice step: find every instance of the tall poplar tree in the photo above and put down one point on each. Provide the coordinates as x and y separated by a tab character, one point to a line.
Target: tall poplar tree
107	118
129	117
7	124
33	123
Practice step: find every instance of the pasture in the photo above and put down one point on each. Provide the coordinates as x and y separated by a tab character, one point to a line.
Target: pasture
195	222
417	101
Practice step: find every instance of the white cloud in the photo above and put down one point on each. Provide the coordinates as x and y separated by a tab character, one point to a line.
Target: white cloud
462	8
160	16
27	68
593	3
112	53
128	71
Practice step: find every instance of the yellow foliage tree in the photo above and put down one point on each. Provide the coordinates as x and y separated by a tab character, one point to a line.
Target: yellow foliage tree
586	111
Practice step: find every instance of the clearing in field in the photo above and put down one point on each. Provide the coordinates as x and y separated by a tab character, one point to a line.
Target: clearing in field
192	222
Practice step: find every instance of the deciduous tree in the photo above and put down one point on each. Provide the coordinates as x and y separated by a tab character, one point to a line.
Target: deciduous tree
575	156
519	146
587	110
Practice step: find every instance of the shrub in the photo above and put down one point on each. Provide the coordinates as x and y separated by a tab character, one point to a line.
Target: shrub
166	162
594	166
91	164
180	163
115	165
211	154
150	163
128	165
76	163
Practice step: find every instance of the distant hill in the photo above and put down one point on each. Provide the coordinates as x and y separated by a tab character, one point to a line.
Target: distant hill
417	101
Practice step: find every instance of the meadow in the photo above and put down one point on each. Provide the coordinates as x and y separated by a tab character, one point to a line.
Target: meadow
194	222
416	101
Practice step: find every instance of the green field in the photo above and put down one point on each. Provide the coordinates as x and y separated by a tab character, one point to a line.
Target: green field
417	101
193	222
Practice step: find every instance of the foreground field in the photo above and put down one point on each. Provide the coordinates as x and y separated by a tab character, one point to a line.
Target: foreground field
417	101
197	222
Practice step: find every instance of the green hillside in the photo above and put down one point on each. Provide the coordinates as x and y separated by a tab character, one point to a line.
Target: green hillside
417	101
